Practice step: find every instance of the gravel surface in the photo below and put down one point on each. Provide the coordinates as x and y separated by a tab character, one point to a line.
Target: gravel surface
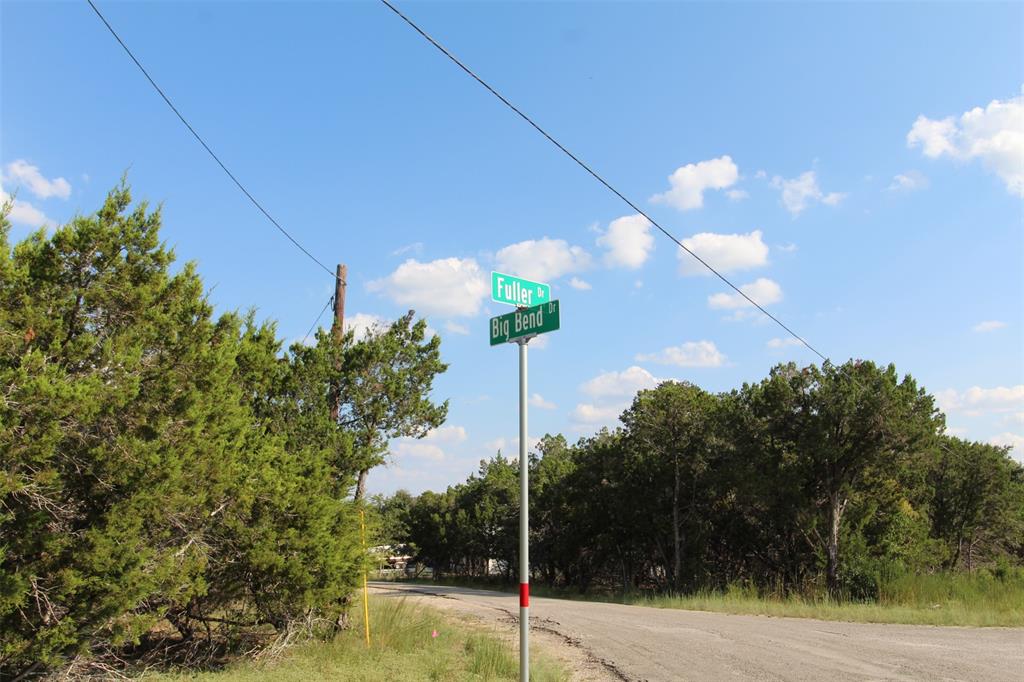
613	641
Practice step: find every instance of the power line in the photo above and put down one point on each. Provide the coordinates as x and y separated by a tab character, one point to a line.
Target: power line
596	176
617	193
317	321
206	146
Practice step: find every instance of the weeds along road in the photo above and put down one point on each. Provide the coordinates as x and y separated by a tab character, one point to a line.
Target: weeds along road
643	643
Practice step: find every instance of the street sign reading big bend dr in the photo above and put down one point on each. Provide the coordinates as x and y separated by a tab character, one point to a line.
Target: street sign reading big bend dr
539	319
518	291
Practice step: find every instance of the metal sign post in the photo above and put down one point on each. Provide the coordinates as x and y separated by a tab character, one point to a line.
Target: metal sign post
524	523
519	327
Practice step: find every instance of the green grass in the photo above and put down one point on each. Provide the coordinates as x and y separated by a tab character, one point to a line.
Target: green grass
947	608
403	648
980	599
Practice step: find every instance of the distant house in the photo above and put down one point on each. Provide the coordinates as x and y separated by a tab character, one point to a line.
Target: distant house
395	561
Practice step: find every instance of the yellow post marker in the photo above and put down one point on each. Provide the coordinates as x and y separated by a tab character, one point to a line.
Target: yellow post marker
366	595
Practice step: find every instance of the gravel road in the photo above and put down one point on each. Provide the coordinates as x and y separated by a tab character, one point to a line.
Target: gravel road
613	641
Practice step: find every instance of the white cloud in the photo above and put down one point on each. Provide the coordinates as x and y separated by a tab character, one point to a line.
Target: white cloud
689	354
689	182
908	182
934	136
588	415
988	326
537	400
783	342
763	290
581	285
737	194
610	393
798	193
24	213
22	173
447	287
431	446
540	342
456	328
361	324
977	400
542	259
993	135
724	252
994	397
1014	440
446	434
410	447
509	446
624	384
365	324
787	248
947	400
415	248
496	444
1016	418
628	242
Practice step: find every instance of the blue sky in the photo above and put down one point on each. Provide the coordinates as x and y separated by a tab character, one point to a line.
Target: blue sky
859	167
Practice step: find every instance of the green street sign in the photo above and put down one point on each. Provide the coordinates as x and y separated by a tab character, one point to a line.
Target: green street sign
524	323
518	291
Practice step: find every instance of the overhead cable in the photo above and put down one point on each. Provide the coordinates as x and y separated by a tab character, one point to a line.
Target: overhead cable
317	321
205	146
597	176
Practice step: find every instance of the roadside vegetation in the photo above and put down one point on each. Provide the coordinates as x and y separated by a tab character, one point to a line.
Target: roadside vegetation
980	599
409	642
830	491
178	487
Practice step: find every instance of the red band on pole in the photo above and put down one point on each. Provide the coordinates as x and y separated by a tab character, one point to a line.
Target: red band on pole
524	594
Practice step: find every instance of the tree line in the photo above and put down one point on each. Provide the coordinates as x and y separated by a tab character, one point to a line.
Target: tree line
817	480
174	482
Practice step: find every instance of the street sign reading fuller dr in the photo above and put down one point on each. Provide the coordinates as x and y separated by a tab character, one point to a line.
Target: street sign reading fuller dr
526	322
518	291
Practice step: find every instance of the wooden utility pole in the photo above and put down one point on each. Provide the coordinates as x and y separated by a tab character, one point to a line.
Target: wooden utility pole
340	277
338	329
340	280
